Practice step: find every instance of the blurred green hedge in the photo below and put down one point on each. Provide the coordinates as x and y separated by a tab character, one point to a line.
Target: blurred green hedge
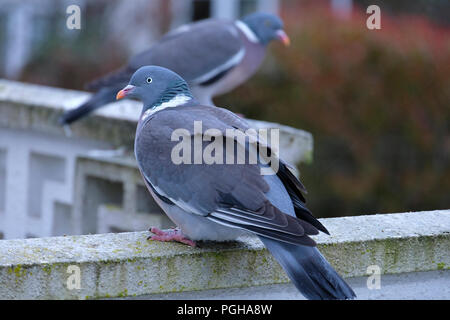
377	103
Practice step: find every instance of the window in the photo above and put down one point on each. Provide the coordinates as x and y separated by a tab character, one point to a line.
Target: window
247	7
201	9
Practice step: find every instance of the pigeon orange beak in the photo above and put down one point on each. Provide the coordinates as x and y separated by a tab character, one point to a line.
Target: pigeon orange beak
283	37
124	92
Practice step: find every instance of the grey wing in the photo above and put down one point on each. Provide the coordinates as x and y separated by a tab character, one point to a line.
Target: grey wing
232	195
116	79
198	52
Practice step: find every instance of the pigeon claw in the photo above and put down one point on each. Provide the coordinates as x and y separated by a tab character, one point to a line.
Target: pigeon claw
170	235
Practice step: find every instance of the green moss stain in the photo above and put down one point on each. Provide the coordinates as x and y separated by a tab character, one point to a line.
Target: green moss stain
18	271
123	294
441	266
391	252
47	269
308	157
112	207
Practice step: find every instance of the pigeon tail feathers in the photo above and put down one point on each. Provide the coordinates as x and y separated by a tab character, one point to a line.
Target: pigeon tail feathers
312	275
104	96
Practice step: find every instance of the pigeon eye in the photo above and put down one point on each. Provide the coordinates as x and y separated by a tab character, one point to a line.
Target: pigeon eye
149	80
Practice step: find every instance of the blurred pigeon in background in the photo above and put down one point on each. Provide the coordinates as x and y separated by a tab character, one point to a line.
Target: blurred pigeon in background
213	56
217	201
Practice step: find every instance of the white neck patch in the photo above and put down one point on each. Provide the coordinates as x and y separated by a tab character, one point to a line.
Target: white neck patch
247	31
176	101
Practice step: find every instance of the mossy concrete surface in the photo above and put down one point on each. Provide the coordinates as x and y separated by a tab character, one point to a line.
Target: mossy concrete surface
126	264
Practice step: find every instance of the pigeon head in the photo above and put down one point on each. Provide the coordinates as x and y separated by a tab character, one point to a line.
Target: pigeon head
154	86
267	27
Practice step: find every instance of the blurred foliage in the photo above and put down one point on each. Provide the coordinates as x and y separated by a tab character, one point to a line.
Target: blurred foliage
376	102
70	62
437	10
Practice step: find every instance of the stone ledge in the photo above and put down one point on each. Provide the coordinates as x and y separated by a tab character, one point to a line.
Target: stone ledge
27	106
126	264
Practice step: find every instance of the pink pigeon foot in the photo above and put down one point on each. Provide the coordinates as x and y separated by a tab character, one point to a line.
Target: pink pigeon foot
170	235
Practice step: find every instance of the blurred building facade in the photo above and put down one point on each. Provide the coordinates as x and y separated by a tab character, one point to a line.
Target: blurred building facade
28	25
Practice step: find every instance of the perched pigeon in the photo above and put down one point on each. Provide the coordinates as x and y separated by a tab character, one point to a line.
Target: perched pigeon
223	201
213	56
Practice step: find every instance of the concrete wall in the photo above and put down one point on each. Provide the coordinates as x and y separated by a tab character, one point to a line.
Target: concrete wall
127	265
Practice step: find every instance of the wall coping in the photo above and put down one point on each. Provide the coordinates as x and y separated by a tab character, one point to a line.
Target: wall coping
126	264
37	107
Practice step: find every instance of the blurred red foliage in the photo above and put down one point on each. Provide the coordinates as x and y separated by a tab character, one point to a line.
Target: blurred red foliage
376	101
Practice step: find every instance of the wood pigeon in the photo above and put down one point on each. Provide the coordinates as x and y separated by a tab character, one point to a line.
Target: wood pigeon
214	56
223	200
